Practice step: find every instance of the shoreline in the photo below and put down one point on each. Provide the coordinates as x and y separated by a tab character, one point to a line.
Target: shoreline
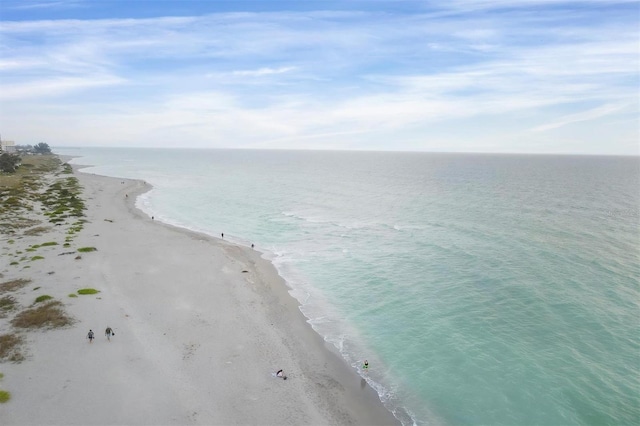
205	323
276	286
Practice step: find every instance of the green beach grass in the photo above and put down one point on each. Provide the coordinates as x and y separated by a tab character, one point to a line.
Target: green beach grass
40	191
42	298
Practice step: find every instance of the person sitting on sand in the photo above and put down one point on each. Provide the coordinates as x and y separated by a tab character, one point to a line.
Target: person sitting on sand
280	374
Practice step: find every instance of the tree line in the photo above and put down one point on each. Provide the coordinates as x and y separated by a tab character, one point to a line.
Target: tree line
9	162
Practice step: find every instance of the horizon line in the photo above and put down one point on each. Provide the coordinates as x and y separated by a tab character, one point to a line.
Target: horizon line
566	154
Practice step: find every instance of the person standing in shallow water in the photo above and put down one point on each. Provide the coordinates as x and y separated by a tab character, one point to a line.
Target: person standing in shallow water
222	235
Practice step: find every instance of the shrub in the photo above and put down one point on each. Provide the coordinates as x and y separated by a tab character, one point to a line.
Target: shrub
88	291
43	298
50	243
36	231
86	249
9	162
10	347
37	258
12	201
73	295
4	396
49	315
13	285
13	263
7	303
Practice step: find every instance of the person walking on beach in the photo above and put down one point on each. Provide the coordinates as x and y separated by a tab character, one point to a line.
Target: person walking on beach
90	336
109	332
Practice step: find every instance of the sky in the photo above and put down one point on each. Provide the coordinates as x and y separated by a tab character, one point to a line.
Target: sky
513	76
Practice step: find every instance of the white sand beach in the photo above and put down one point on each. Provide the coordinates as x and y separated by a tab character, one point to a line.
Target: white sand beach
200	327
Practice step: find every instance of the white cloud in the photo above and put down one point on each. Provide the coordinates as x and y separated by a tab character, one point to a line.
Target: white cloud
271	79
591	114
470	5
55	86
25	5
18	63
263	71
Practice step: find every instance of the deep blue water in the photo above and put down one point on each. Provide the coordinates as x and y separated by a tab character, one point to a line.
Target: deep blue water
483	289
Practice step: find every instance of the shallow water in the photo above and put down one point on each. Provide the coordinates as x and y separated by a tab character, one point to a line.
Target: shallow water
483	289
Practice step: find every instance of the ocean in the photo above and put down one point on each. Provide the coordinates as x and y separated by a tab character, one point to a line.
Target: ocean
482	289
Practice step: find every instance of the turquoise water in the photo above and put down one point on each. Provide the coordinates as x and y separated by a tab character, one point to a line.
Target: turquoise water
483	289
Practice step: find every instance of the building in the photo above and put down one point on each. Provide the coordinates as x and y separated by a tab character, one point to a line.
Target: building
8	146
